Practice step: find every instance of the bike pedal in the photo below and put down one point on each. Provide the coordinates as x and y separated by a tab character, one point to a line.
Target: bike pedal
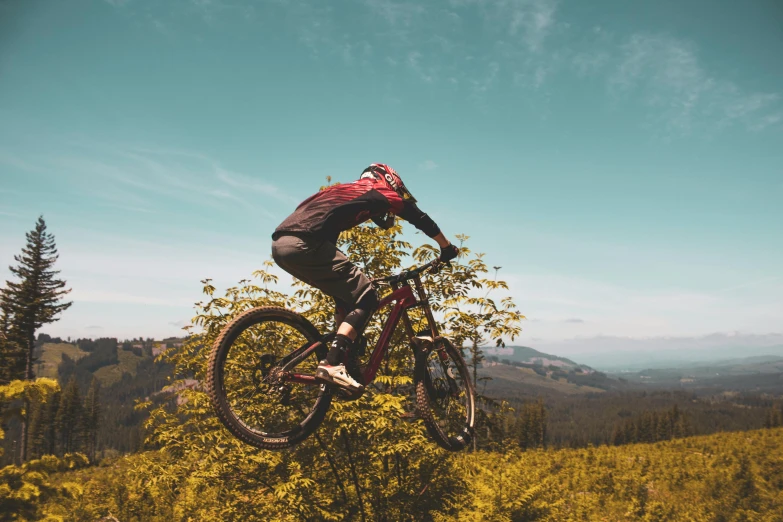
323	376
346	396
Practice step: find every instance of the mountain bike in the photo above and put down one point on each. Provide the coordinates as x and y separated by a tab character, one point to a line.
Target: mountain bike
261	375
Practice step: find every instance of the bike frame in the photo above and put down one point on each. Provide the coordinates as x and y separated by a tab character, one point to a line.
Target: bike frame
404	299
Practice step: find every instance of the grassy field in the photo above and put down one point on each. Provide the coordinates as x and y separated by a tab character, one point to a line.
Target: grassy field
50	357
108	375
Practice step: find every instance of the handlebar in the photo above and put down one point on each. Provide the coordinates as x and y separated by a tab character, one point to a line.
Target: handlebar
408	274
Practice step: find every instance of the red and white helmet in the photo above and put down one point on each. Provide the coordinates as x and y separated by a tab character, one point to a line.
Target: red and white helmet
390	176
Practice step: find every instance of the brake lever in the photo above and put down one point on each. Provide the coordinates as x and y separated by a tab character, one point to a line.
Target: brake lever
438	265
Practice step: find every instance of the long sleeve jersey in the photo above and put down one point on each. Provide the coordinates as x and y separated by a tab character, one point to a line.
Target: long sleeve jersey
340	207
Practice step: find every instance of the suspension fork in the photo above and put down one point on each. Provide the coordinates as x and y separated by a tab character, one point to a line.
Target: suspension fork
425	304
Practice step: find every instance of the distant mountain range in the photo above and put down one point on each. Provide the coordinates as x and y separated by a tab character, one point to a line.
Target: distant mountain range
629	354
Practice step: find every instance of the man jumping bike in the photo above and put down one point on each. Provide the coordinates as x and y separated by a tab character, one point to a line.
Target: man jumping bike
278	349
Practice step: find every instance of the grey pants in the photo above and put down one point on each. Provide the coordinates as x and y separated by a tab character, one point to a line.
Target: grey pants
319	263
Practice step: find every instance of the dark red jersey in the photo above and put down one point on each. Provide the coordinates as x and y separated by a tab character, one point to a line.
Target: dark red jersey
340	207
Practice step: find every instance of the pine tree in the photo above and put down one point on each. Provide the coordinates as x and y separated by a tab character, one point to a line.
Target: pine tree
28	304
50	424
36	445
91	418
541	431
618	435
68	417
35	299
12	353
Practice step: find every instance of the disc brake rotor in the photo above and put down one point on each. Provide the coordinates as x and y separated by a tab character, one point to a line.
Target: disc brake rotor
270	381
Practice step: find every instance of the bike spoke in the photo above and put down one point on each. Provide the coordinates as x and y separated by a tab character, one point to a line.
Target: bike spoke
263	403
449	402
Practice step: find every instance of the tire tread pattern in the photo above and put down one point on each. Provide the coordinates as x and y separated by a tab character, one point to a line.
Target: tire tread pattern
217	355
423	402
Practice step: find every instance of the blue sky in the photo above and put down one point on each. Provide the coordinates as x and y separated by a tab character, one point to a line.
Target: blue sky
622	161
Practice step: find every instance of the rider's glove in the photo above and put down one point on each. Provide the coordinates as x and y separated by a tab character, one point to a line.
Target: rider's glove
448	253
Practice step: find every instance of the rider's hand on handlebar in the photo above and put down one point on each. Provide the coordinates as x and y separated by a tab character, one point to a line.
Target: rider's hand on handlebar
448	253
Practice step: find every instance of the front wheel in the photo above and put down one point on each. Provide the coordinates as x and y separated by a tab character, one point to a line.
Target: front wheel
260	378
444	395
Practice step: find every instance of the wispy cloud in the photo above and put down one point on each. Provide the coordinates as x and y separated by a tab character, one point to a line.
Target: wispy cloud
414	63
428	165
15	162
395	13
136	178
524	43
669	76
749	284
533	19
486	82
117	297
247	183
558	303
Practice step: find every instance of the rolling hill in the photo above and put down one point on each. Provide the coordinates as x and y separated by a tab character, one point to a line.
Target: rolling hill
527	355
518	382
50	355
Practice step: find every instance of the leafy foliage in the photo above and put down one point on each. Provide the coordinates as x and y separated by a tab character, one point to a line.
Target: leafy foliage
25	489
368	460
725	477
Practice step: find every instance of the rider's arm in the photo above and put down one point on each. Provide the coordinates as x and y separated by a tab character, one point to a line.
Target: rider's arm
414	215
442	241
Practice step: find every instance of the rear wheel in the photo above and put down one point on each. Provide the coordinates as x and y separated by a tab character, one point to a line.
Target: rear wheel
251	395
444	395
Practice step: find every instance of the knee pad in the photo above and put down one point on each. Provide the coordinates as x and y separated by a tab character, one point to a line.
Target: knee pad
341	308
364	309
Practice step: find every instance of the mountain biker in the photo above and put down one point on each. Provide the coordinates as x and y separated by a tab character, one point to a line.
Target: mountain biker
304	246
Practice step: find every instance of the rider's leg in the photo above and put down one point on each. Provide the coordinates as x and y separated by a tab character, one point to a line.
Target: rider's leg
353	325
340	311
320	264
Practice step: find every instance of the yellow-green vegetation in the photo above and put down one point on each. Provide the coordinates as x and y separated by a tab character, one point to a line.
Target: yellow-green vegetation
723	477
369	462
27	492
51	356
108	375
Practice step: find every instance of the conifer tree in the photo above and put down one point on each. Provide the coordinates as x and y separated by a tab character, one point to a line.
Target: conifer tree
50	423
35	299
68	417
12	354
36	445
91	418
28	304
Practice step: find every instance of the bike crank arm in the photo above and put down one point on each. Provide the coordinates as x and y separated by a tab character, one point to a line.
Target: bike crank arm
300	378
